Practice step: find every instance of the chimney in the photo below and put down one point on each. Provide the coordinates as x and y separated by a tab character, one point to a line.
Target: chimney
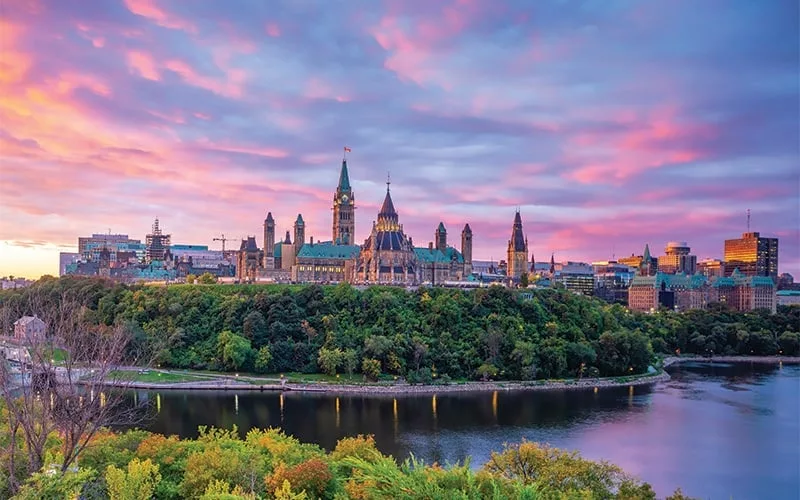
312	241
430	245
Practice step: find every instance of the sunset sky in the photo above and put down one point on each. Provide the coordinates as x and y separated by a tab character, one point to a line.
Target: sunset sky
610	124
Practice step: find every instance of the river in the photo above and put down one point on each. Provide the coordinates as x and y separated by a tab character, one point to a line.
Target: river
715	430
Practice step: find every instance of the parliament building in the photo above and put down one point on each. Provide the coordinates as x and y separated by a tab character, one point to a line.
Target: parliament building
387	256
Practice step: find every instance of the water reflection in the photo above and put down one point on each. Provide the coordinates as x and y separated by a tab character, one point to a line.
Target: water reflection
715	430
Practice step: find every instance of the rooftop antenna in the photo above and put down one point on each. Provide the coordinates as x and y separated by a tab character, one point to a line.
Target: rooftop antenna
388	180
748	220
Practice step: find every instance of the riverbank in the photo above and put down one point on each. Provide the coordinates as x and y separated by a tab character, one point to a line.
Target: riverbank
237	383
255	384
772	360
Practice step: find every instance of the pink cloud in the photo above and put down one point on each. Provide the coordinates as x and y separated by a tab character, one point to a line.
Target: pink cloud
230	86
143	64
149	10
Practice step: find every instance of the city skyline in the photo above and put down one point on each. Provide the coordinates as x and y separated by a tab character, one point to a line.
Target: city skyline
609	126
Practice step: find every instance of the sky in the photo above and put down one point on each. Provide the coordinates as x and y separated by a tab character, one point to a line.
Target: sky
608	124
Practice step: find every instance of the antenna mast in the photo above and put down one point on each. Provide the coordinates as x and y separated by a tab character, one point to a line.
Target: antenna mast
748	220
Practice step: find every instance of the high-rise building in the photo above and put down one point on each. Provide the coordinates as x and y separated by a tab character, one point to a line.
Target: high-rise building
156	244
678	259
517	250
344	215
752	255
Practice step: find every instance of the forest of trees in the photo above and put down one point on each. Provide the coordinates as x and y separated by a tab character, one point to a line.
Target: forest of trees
429	334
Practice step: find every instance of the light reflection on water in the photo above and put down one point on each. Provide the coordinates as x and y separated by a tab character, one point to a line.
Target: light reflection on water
714	430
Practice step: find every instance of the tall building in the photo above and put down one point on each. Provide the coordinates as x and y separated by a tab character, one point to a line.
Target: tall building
387	255
647	266
156	244
344	215
752	255
678	259
299	234
517	250
466	249
269	242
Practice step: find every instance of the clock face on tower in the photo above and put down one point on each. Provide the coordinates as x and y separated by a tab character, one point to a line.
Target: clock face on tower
345	198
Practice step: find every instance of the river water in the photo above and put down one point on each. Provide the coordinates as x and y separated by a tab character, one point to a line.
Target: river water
715	430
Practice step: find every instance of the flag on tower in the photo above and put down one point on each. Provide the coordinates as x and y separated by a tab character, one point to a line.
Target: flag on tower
347	150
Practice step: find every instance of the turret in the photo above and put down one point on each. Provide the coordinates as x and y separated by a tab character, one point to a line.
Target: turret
441	237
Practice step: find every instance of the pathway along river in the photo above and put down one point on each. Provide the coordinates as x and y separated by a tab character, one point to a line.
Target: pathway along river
716	430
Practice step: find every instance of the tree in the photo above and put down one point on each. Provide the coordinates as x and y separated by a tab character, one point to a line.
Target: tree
486	371
350	361
191	278
62	382
254	328
789	343
371	368
206	279
234	350
523	280
564	472
263	359
137	483
330	359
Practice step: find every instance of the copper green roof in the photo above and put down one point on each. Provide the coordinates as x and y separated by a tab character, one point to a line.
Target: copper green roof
329	251
299	219
276	252
441	228
428	256
344	178
670	280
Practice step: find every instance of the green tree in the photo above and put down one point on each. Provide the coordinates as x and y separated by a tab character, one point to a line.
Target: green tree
486	371
564	472
263	359
191	278
254	328
137	483
234	350
523	280
371	368
350	360
330	359
789	343
206	279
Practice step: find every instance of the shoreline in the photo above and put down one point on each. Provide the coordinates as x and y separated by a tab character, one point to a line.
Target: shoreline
228	383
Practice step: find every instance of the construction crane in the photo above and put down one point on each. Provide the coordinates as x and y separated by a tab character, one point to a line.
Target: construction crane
223	239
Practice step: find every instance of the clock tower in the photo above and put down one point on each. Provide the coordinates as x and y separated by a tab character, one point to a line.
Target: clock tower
344	216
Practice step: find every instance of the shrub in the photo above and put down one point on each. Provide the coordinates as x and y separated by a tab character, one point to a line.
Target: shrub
312	476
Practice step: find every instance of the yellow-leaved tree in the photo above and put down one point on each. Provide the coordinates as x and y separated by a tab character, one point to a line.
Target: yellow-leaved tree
137	483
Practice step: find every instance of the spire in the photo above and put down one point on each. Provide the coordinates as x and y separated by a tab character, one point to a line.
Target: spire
441	228
533	264
288	239
299	220
646	257
552	263
517	237
344	178
467	229
269	217
387	209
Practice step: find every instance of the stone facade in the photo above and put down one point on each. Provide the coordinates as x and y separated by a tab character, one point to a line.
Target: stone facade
387	255
517	250
249	260
344	215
